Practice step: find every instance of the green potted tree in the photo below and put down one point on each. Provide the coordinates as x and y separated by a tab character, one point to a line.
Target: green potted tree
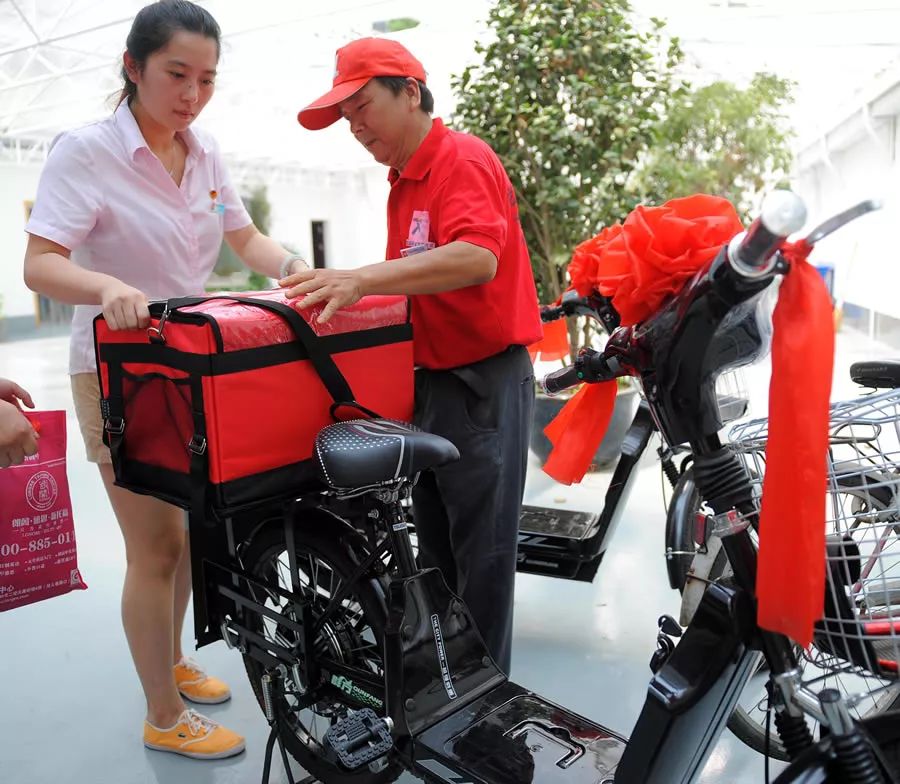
568	93
589	119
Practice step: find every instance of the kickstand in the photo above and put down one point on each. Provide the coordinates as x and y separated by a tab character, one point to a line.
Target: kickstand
270	747
274	736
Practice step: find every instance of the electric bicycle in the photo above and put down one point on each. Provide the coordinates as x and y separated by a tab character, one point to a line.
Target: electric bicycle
366	666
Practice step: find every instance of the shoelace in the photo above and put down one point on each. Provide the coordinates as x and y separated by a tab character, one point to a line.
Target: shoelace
191	665
198	723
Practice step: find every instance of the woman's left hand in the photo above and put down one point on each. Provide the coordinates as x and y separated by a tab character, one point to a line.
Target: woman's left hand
336	288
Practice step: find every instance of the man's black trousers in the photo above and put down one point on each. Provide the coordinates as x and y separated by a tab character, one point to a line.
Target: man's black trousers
467	513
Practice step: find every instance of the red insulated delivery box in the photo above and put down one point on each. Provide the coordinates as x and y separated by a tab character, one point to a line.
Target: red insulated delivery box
217	405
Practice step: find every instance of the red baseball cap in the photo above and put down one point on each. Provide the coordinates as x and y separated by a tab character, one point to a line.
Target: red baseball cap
354	65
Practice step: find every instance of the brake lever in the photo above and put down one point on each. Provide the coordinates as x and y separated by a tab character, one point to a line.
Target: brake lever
841	219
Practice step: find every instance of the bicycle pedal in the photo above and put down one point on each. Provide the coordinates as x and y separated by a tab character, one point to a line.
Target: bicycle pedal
359	738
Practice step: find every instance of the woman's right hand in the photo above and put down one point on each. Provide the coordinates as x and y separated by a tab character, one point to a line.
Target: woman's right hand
124	307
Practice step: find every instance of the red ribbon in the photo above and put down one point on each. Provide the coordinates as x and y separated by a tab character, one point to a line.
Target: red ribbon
576	432
790	581
650	256
555	343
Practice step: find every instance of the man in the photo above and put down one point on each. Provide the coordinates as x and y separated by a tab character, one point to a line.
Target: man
17	437
456	247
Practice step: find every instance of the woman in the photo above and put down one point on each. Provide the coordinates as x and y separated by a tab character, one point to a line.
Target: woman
130	208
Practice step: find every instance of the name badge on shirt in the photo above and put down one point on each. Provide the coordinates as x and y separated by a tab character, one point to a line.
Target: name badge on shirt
412	248
216	206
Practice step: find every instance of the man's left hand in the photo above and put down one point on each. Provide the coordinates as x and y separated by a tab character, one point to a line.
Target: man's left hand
336	288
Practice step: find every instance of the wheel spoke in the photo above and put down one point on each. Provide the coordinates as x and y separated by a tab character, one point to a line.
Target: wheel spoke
346	636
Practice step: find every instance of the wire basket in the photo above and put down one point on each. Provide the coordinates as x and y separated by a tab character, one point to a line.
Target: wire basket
860	631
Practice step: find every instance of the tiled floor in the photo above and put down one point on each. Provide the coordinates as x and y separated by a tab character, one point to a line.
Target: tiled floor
71	707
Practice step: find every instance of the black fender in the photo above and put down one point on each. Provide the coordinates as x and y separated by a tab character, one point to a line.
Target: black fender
316	517
691	697
680	527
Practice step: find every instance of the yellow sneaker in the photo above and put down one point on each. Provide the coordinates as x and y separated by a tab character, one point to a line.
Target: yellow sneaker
194	736
195	685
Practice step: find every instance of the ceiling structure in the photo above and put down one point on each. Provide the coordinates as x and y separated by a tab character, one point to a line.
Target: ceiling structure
59	62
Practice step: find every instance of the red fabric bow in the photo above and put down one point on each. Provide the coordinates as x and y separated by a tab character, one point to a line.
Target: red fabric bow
649	257
790	579
639	264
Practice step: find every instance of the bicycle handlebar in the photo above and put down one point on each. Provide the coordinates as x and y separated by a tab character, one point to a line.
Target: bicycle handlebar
595	306
552	313
590	366
752	253
559	380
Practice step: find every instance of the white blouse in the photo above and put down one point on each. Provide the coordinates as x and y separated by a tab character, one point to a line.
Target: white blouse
107	198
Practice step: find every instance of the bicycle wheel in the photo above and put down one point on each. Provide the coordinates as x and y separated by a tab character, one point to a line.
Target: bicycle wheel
352	636
748	720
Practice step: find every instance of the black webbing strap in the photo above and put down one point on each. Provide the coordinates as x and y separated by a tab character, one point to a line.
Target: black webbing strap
112	410
199	450
322	361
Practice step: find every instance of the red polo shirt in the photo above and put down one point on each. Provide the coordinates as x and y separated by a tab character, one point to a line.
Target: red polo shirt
454	188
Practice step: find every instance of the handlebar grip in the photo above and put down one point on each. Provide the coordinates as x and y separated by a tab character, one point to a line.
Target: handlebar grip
560	380
783	213
549	313
757	246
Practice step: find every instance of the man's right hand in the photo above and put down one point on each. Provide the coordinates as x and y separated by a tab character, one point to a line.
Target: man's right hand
17	437
124	307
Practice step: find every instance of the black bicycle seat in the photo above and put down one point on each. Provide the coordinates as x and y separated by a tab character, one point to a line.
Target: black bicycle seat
878	374
364	452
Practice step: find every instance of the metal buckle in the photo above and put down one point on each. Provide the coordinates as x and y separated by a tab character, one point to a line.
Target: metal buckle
115	425
155	334
197	445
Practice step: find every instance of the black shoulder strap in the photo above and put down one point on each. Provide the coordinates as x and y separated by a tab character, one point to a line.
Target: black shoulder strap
322	361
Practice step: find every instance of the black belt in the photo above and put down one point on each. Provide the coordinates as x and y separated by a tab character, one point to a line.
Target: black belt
469	374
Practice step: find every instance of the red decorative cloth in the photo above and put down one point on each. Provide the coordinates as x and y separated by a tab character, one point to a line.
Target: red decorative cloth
555	343
577	430
790	579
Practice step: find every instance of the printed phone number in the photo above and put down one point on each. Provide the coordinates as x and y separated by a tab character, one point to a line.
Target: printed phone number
36	545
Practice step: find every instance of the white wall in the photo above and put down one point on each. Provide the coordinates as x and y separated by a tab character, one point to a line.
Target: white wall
865	254
18	183
353	205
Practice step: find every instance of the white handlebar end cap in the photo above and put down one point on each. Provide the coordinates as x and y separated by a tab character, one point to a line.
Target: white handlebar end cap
783	213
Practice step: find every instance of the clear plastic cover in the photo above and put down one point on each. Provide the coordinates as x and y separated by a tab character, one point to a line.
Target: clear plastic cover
745	334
